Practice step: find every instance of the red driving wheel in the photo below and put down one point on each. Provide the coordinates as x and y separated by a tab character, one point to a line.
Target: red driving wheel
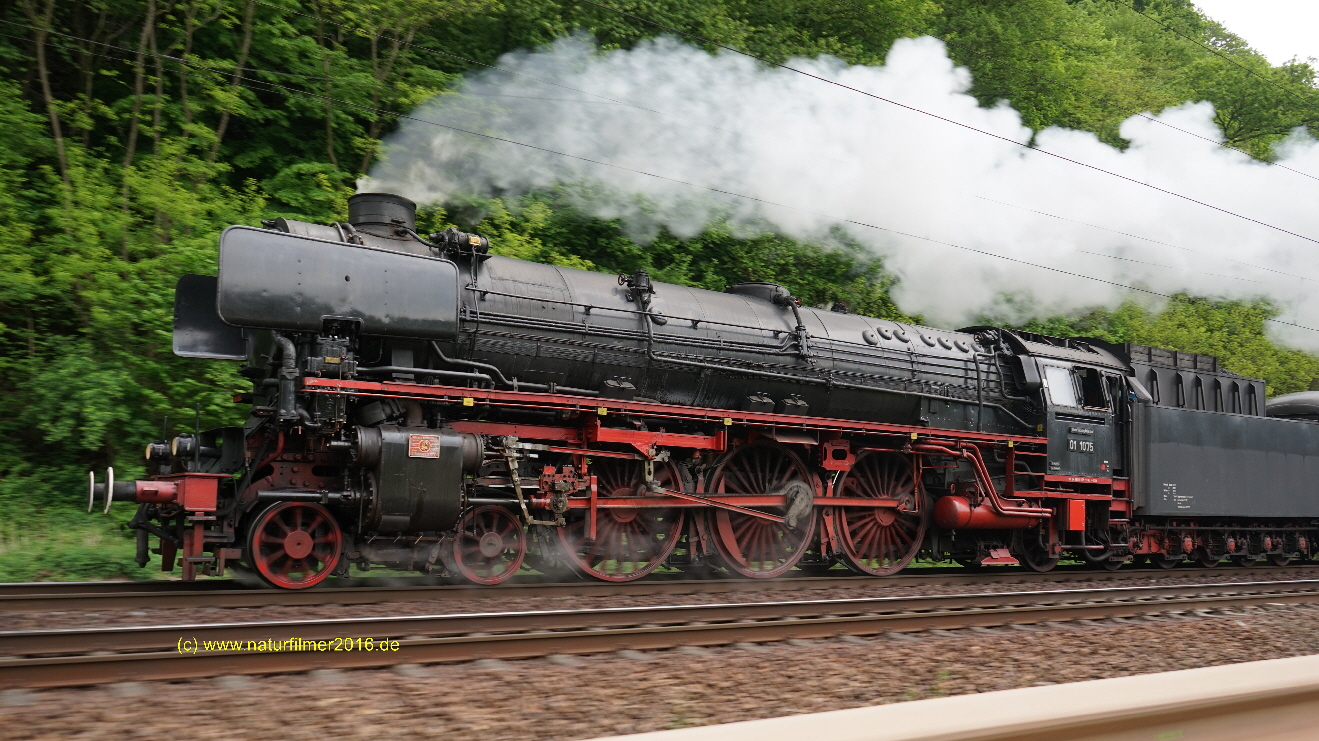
880	541
629	543
750	545
294	545
490	545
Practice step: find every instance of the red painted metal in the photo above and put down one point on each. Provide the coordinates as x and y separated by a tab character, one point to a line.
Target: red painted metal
837	455
999	557
156	491
590	405
294	545
752	544
1078	479
999	505
1075	514
956	513
194	492
879	540
645	441
490	545
503	429
619	544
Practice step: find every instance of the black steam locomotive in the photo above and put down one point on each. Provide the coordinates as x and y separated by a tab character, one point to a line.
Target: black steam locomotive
422	404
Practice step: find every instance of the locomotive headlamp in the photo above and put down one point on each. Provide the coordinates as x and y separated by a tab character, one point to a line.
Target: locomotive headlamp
187	446
158	451
180	446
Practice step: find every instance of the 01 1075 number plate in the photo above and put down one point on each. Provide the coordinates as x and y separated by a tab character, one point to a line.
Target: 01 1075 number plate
1080	446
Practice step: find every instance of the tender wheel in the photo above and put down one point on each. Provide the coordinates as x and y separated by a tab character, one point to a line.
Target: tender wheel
629	543
750	545
1165	562
490	545
880	541
1245	562
294	545
1113	564
1033	554
1205	558
1279	560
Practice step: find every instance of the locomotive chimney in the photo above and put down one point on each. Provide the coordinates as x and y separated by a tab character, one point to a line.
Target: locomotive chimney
381	213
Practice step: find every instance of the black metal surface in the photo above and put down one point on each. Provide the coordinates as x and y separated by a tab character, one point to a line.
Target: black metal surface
1301	405
283	281
1197	464
418	479
199	332
547	324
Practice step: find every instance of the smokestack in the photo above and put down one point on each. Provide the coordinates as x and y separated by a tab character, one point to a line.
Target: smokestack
380	213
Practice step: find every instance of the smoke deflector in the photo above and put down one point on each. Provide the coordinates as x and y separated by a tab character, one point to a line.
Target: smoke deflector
285	281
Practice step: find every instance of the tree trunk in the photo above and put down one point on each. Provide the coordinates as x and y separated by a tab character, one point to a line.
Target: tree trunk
225	115
329	90
139	80
41	22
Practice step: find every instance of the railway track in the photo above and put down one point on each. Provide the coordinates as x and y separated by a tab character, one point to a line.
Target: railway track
54	658
93	596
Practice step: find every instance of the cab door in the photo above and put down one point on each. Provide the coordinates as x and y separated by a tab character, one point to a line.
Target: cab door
1080	421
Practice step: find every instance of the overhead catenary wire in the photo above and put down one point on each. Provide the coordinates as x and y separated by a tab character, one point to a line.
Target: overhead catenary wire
954	122
1211	50
856	222
1062	84
687	121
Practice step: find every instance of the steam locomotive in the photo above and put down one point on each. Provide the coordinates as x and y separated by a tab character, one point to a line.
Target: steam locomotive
419	403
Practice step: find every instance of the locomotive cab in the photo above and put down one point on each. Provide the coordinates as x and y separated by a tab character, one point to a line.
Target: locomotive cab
1080	420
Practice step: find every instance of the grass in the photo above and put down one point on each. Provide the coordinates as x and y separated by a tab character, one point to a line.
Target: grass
65	544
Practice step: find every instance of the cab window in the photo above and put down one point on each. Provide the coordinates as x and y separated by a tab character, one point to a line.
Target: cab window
1092	388
1062	390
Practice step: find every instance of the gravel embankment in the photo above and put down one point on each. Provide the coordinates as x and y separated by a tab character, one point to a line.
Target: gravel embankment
494	603
607	694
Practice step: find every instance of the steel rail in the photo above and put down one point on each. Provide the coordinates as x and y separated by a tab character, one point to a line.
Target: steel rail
508	635
74	596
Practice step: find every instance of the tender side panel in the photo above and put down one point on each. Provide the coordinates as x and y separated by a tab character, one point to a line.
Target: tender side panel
1207	464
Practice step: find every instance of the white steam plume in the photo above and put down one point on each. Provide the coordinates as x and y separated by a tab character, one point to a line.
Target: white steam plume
727	123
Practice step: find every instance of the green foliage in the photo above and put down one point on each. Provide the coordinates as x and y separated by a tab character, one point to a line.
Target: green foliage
133	131
1233	331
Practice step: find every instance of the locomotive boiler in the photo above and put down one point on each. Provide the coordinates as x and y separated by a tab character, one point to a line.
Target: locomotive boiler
421	403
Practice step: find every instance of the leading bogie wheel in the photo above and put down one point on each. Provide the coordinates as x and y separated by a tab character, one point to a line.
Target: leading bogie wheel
490	545
754	546
880	541
629	542
294	545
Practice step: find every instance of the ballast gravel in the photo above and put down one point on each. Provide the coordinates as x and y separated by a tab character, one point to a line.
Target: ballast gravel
482	600
607	694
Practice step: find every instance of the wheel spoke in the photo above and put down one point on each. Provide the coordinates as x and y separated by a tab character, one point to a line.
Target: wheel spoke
872	543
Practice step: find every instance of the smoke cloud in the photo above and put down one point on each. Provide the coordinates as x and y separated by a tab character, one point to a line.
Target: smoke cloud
817	156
